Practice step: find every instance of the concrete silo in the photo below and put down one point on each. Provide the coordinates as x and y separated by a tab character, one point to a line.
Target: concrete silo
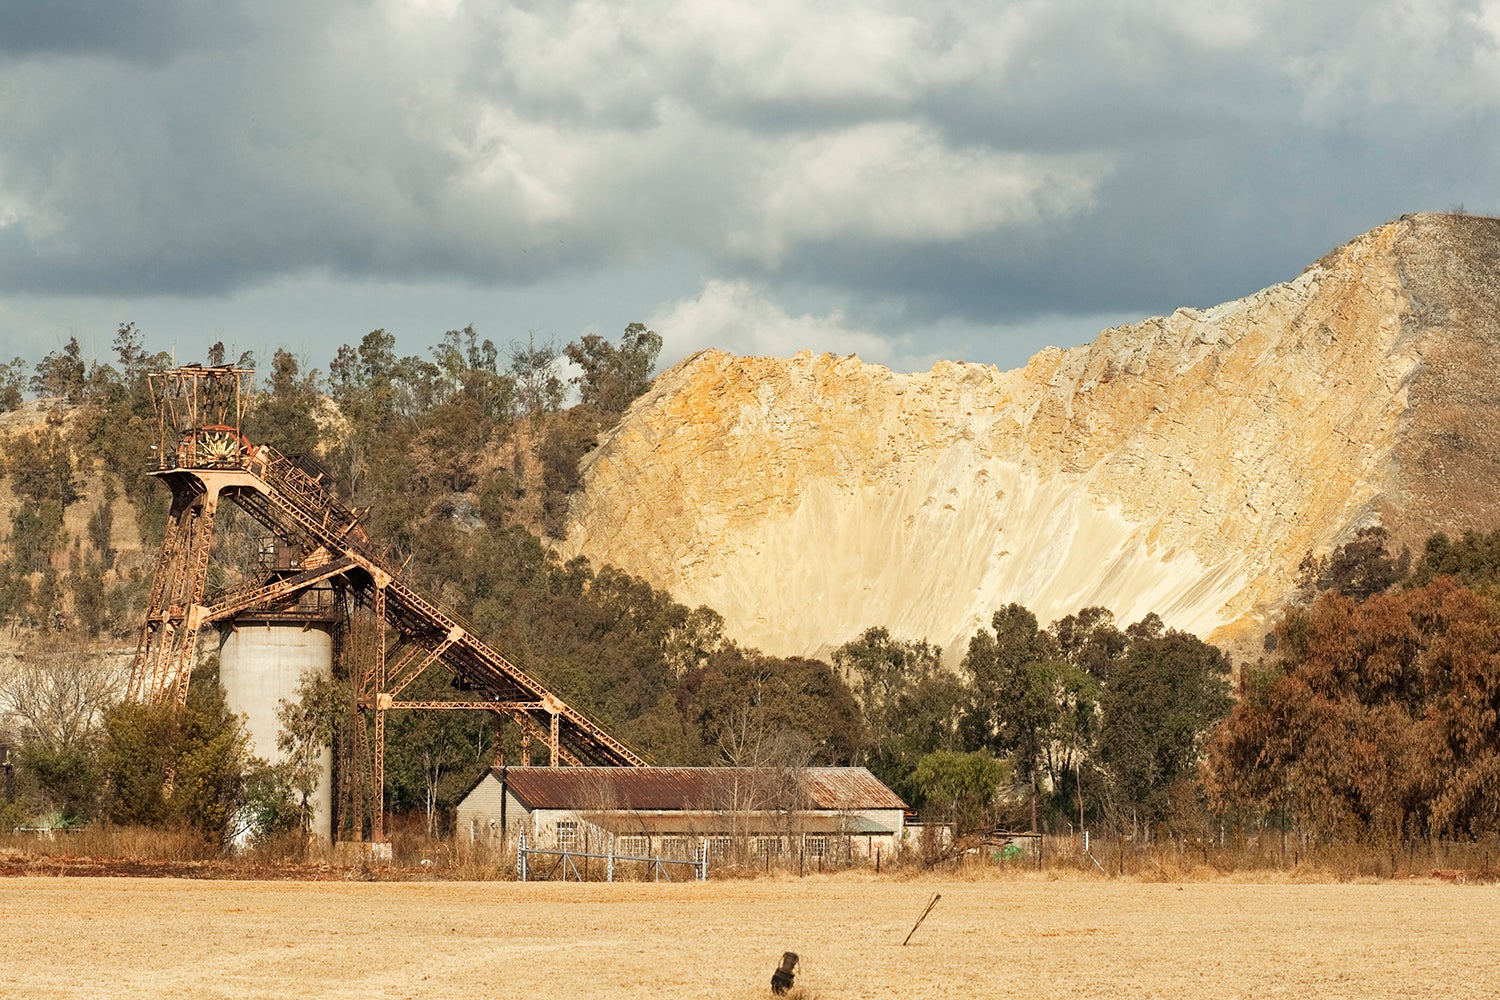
263	657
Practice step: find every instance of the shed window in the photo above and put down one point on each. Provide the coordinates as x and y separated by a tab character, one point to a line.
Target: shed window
634	845
567	835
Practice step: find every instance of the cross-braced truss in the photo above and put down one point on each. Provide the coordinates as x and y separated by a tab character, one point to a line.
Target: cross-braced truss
203	458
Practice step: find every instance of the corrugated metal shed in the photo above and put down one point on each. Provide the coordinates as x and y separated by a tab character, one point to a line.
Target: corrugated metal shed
695	823
682	788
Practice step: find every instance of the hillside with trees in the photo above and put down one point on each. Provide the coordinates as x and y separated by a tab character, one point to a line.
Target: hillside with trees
1371	715
463	460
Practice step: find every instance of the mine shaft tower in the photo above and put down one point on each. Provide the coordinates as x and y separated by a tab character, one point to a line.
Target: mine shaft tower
391	634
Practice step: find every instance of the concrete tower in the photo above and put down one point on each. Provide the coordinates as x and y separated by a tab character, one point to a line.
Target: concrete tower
263	657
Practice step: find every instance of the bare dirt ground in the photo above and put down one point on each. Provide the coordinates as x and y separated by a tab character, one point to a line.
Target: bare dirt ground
76	937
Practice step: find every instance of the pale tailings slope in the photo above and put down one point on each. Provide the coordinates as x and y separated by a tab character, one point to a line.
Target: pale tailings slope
1183	465
70	937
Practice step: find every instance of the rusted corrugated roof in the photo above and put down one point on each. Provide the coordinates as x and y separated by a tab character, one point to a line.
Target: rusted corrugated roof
709	824
711	788
848	788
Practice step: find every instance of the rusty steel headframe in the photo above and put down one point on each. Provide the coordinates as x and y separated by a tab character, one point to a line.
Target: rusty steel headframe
203	456
199	412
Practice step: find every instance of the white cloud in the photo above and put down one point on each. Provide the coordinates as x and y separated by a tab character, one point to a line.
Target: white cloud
12	208
784	50
741	315
1375	64
744	318
1220	25
608	57
899	181
524	166
1487	59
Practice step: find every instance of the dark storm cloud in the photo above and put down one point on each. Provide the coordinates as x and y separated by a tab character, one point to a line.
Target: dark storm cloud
148	30
1160	237
310	148
1230	169
982	163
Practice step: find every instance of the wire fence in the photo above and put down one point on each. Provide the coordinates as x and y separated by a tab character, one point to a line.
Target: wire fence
565	863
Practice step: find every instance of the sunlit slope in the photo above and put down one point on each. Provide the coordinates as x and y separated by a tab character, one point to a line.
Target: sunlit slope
1183	465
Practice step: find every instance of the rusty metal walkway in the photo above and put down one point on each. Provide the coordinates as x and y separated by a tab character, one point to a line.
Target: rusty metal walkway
295	506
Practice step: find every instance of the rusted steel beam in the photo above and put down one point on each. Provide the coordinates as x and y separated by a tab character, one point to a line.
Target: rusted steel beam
401	664
472	706
187	644
530	729
236	601
377	821
168	644
432	657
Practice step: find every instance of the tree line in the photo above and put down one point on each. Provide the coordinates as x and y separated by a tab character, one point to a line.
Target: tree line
466	457
467	438
1082	721
1376	718
1370	714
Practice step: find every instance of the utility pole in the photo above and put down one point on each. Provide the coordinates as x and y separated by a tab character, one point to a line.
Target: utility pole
1078	779
10	773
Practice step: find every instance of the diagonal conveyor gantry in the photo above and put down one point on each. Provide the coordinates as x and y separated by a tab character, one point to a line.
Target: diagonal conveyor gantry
294	505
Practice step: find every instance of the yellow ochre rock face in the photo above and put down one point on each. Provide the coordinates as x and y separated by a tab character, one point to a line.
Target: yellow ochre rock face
1184	465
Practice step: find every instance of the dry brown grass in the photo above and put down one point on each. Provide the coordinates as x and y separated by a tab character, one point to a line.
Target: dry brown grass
1045	934
417	857
115	842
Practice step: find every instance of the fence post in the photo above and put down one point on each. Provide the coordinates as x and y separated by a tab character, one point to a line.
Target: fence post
702	865
521	857
609	871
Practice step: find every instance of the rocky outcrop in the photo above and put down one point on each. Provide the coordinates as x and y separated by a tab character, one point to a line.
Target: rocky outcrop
1183	465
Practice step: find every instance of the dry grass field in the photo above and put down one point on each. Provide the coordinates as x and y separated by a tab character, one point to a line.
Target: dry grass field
93	937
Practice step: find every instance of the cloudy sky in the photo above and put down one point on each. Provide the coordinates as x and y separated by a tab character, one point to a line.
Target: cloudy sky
906	180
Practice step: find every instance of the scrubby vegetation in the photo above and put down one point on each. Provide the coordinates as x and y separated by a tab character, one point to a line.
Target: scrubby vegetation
1371	719
465	459
1376	720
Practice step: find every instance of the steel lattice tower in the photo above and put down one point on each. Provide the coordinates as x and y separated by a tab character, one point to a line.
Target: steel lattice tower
204	458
